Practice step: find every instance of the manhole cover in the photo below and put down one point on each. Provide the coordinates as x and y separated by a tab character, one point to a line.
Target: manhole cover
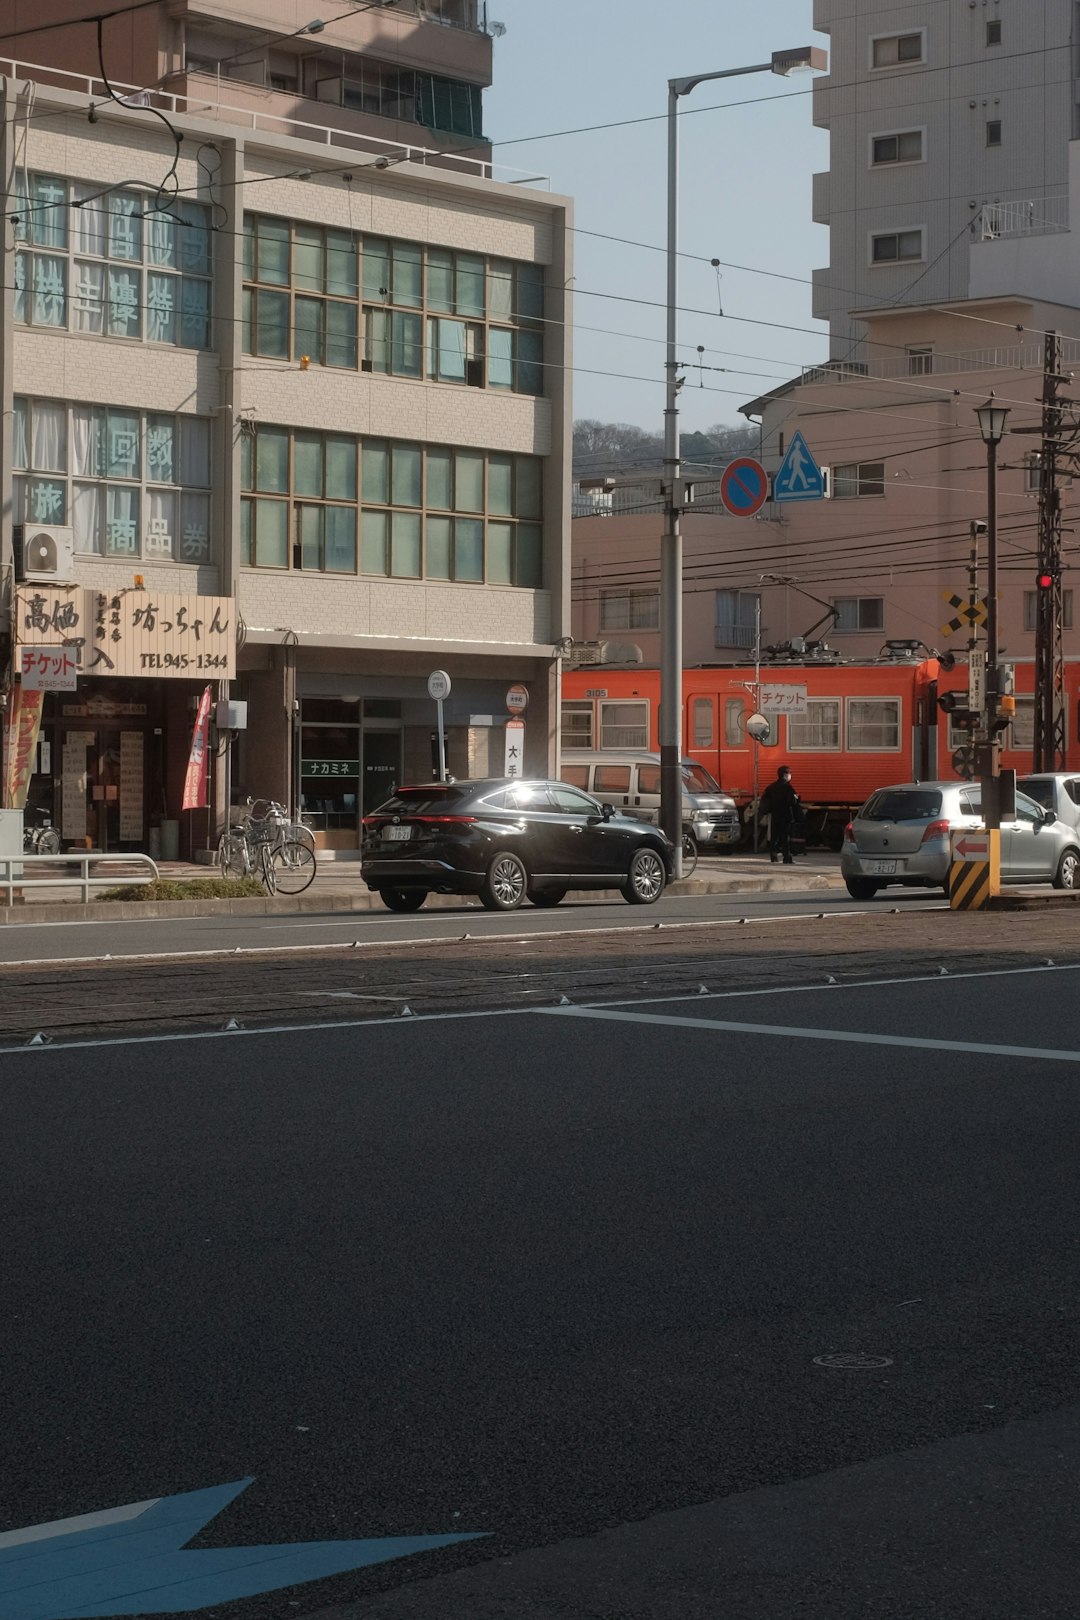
856	1359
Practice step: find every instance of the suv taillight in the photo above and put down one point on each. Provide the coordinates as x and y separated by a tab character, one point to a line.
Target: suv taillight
935	829
849	834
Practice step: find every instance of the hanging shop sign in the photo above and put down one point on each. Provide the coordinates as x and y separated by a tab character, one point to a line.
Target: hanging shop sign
48	669
130	632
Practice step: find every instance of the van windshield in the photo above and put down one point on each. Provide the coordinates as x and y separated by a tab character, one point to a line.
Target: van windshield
697	778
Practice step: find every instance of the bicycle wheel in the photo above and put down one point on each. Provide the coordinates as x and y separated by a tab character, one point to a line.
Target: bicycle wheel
301	834
49	841
294	867
266	868
232	854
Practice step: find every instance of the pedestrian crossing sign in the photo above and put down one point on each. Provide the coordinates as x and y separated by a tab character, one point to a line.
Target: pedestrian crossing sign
800	477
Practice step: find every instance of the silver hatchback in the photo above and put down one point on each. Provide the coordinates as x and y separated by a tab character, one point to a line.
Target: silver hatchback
901	835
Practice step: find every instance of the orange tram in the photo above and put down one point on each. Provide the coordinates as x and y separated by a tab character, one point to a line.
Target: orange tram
851	725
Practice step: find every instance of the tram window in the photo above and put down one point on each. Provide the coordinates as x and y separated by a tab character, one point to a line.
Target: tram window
703	722
873	724
734	722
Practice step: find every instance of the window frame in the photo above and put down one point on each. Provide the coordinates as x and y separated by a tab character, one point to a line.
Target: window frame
861	475
406	294
1031	610
818	702
874	40
581	708
874	237
641	738
859	628
872	748
897	135
993	124
994	32
637	598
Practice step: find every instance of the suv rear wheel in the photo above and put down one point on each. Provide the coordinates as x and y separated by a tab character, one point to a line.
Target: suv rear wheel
645	879
403	899
505	884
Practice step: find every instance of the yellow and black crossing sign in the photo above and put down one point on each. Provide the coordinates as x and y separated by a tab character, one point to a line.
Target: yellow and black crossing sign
974	868
967	614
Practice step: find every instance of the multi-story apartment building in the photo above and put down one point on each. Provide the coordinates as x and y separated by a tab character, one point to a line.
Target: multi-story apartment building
949	124
299	402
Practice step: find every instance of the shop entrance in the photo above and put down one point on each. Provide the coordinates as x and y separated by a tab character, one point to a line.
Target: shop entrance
350	761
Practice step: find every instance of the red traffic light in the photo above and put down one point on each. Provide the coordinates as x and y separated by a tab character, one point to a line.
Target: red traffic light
1045	582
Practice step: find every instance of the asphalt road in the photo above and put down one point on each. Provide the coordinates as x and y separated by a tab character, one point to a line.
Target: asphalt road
565	1277
35	941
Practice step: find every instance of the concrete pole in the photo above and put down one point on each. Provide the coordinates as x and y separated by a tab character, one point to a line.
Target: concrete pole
671	546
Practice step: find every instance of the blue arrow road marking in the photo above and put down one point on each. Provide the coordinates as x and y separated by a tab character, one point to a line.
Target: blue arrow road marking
128	1560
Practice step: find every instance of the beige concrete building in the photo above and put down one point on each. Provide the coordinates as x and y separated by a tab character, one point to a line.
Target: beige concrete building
314	386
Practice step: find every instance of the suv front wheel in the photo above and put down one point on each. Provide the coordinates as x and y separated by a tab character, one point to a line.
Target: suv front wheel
646	878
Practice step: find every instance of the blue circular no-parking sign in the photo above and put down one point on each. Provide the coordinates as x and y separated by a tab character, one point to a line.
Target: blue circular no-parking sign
744	487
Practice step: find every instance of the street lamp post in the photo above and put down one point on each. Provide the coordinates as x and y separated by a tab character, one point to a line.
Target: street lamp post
782	62
992	418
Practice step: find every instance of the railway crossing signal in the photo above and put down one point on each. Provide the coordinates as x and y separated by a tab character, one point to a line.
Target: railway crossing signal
967	615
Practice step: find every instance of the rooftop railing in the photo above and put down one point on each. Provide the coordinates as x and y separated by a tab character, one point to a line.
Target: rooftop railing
1043	216
923	364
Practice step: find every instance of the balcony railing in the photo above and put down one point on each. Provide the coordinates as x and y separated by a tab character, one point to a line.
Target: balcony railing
923	364
1045	216
197	106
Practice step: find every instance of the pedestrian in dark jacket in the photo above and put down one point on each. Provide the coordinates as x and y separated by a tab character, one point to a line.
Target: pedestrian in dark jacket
780	803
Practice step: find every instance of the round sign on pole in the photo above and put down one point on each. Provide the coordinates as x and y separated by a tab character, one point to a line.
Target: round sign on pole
438	685
744	487
517	699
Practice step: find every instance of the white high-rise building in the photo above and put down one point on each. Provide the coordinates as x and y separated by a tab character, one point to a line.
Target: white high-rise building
949	125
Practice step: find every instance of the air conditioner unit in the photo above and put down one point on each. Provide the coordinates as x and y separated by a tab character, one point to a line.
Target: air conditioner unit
43	552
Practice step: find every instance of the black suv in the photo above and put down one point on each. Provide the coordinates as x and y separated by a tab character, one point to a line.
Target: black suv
504	839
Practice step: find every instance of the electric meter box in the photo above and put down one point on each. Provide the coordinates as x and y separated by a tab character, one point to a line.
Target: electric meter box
231	716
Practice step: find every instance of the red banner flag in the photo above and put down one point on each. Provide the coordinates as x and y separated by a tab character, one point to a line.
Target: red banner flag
23	726
199	758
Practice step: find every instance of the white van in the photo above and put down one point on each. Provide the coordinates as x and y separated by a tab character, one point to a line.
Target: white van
631	782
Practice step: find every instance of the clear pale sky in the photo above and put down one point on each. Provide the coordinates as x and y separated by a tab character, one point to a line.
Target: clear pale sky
745	187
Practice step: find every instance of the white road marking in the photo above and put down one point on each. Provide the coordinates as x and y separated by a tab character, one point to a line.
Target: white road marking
852	984
791	1032
73	1527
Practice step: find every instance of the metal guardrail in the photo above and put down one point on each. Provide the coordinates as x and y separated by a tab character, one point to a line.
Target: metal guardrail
14	876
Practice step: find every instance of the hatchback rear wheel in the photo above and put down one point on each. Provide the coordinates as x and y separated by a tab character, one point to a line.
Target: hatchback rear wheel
862	888
505	884
403	899
1067	875
646	878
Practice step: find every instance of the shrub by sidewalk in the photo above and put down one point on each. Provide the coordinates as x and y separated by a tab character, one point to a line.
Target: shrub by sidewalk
189	889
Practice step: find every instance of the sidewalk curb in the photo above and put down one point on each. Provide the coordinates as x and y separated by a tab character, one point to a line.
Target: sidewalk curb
364	900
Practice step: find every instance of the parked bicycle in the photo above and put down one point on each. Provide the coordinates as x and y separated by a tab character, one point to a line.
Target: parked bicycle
42	839
264	845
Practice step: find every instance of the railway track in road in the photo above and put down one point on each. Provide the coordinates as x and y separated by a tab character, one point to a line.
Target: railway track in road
336	984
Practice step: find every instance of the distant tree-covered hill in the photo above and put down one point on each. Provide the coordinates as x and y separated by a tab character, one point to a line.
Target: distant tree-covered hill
602	448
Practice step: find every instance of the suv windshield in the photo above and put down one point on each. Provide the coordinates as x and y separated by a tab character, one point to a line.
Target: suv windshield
698	780
902	804
1041	791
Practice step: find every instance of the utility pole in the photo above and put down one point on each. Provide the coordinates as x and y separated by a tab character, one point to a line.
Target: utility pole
1049	750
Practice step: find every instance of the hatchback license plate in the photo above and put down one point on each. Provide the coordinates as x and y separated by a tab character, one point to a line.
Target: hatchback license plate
881	868
396	835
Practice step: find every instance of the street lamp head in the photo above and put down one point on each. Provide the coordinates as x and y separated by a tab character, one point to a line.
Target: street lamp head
803	59
992	418
315	27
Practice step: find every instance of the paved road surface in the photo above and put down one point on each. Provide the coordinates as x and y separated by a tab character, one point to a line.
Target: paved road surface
52	941
565	1276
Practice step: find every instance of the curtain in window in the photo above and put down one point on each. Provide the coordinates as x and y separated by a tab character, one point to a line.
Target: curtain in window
88	223
125	316
500	357
121	521
86	442
49	217
88	297
125	227
195	313
48	437
159	539
161	233
448	350
49	279
20	450
161	449
193	237
818	728
86	516
19	309
195	527
161	294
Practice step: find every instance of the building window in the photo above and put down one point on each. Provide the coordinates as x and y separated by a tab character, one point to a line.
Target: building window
893	247
1031	610
630	609
577	725
904	147
119	271
873	725
920	361
993	132
818	730
736	618
329	503
129	483
624	724
858	478
392	307
858	613
896	50
993	32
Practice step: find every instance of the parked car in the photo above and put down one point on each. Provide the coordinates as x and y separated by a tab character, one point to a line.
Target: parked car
901	835
1056	791
504	839
631	782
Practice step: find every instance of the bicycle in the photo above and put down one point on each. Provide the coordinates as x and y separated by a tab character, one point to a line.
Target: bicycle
42	839
263	845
